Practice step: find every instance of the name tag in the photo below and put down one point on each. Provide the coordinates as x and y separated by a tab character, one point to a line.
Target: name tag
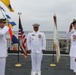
33	34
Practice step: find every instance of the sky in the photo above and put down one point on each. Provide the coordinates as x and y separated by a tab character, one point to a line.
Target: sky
42	12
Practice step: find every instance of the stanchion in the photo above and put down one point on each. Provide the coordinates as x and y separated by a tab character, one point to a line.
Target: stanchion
53	64
18	64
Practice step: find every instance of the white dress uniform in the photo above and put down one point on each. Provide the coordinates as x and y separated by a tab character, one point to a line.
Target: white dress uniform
73	50
36	42
3	49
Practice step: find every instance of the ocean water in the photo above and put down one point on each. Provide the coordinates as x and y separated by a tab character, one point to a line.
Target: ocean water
48	34
62	36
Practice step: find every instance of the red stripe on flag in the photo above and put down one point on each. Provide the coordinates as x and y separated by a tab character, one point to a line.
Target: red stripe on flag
22	37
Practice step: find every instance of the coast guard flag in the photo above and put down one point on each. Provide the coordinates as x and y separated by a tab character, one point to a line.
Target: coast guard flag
7	4
22	37
56	42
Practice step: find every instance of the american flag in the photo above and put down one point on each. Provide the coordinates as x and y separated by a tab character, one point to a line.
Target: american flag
22	38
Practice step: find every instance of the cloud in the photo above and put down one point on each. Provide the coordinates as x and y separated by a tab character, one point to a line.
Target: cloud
42	11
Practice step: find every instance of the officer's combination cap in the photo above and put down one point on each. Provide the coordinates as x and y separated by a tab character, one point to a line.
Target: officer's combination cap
74	21
3	20
36	25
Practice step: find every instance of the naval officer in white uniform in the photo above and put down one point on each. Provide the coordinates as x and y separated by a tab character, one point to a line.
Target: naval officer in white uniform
36	43
72	36
3	45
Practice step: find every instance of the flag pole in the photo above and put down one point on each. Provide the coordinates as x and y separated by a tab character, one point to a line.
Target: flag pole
18	64
52	64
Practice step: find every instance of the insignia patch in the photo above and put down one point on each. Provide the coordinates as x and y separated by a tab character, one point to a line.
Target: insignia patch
39	36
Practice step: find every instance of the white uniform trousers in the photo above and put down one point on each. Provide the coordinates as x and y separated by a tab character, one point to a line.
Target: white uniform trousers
2	65
73	64
36	59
